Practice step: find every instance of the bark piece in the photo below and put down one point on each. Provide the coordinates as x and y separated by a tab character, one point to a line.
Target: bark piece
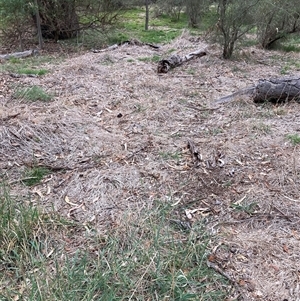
231	97
194	151
176	60
19	54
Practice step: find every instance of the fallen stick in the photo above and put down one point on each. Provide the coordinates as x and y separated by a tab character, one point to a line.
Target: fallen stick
220	271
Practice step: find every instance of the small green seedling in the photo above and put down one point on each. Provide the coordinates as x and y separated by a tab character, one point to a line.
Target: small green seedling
294	138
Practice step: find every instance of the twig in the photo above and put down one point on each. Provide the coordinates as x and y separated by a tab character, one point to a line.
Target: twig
10	116
220	271
21	180
293	200
176	168
283	214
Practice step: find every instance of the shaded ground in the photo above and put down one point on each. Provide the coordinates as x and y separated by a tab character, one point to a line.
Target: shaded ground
116	139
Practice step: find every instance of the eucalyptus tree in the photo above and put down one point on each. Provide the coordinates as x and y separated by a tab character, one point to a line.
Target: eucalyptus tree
195	10
236	18
14	19
54	19
276	19
172	8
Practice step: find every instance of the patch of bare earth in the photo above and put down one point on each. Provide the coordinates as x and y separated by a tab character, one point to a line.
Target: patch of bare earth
116	139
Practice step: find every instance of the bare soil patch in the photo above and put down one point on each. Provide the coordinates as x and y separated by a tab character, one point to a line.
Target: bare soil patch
115	140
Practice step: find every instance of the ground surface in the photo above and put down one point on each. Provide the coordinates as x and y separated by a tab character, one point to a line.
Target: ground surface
116	138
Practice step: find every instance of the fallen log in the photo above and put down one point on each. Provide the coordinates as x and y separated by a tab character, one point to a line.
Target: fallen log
277	90
133	42
176	60
272	90
19	54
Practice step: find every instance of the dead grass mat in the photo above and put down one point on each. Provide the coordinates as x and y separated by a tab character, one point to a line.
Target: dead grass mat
116	139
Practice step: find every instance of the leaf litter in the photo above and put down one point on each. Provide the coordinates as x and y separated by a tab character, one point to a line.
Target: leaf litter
117	137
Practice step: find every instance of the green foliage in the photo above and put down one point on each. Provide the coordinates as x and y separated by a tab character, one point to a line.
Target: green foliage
171	8
290	48
290	44
276	19
14	16
161	28
12	10
195	10
294	139
34	93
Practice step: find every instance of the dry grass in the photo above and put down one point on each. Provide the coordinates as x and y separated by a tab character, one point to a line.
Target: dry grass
115	139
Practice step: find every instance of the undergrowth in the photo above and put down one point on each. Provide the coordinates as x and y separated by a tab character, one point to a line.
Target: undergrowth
146	257
28	65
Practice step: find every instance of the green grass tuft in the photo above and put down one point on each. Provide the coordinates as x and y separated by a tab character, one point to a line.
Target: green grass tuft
294	139
154	59
34	93
32	71
34	175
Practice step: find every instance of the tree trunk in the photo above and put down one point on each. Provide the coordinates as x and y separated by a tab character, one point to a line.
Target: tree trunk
38	24
147	15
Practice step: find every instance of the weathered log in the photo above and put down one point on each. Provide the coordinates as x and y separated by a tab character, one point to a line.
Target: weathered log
176	60
272	90
19	54
277	90
133	42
